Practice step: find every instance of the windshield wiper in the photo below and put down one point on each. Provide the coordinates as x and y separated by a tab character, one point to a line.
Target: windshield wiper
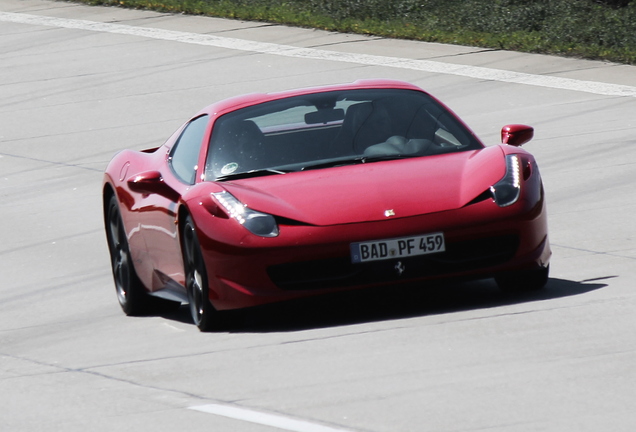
355	161
334	163
250	174
387	157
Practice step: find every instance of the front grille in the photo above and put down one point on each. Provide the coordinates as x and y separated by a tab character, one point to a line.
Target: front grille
340	272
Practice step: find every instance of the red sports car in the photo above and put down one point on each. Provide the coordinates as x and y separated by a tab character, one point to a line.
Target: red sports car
269	197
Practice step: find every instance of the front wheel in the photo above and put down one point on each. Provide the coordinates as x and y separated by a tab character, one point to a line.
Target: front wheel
525	280
204	315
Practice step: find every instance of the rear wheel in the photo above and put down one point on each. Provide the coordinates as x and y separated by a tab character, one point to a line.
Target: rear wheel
204	315
130	291
525	280
131	294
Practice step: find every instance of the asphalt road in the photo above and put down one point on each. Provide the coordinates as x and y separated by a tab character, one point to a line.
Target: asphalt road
77	84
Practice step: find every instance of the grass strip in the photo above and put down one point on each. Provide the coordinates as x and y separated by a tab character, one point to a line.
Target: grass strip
592	29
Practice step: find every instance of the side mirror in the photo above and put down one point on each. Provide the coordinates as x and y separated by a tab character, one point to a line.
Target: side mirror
516	134
151	182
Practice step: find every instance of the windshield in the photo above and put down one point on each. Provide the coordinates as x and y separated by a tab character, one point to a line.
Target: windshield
330	129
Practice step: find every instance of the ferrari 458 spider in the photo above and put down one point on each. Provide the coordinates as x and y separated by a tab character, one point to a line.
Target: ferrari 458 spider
269	197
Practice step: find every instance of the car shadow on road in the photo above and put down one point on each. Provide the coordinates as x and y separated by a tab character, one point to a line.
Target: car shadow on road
383	304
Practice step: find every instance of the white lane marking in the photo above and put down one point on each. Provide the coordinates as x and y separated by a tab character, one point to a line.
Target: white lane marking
430	66
265	419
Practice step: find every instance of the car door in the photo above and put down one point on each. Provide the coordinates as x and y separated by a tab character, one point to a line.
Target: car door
160	227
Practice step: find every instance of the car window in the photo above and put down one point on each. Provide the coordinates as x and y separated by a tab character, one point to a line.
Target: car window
320	130
184	156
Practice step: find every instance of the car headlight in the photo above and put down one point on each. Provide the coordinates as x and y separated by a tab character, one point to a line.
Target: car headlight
506	191
261	224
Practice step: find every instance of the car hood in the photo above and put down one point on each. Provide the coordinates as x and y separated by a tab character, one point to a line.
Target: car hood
374	191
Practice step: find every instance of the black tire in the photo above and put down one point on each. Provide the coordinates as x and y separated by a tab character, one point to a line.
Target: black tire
131	293
204	315
525	280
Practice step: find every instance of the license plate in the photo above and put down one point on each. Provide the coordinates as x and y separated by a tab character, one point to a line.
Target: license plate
397	248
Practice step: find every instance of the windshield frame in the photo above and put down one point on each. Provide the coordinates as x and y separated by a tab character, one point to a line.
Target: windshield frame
325	115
